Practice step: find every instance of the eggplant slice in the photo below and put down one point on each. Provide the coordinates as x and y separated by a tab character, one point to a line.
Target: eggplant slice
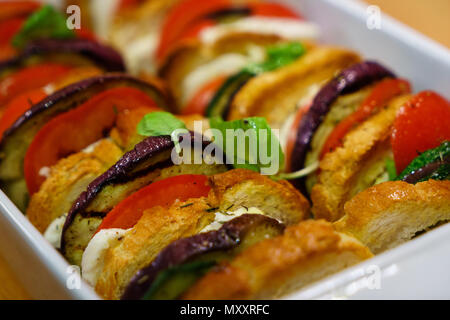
103	56
199	253
18	137
149	161
348	81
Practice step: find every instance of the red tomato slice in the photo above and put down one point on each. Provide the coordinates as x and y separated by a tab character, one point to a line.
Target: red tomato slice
202	98
192	31
421	124
197	22
84	33
10	9
160	193
293	133
8	29
30	78
381	94
272	10
181	16
74	130
18	106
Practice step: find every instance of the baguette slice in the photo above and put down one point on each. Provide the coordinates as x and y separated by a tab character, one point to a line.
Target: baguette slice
272	268
192	54
391	213
159	227
279	200
356	165
67	179
285	87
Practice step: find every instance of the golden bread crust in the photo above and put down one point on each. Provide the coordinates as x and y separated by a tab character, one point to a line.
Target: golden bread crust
272	267
342	171
67	179
190	54
277	199
286	86
391	213
157	228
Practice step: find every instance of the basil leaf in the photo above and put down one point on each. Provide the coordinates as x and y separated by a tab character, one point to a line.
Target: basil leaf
45	23
277	57
250	144
425	158
159	123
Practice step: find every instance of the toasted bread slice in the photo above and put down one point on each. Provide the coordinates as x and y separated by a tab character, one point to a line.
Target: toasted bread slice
136	31
272	268
67	179
356	165
388	214
159	227
285	87
279	200
191	54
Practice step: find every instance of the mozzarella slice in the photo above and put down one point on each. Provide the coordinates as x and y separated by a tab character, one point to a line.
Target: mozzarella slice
54	231
94	255
223	65
286	28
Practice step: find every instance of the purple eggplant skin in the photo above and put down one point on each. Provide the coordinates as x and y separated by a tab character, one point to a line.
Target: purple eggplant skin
422	173
103	56
148	155
18	137
348	81
178	252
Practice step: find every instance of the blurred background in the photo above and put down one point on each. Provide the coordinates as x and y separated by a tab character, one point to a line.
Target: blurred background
431	17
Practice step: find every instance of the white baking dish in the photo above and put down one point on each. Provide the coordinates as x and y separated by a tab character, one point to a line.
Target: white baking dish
417	269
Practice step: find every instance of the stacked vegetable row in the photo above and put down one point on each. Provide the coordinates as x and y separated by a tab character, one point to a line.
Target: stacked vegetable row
91	160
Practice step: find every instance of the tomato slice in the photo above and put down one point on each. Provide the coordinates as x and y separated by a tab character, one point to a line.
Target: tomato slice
10	9
8	29
193	31
200	101
74	130
85	33
381	94
160	193
23	102
30	78
292	137
18	106
421	124
195	20
272	10
181	16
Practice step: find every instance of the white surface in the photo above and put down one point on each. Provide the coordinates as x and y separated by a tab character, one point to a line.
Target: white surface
418	269
39	267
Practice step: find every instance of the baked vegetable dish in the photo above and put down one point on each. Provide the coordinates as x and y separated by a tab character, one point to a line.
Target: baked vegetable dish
111	137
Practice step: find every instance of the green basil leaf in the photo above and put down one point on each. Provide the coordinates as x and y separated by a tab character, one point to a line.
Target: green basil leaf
425	158
45	23
159	123
250	144
277	57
